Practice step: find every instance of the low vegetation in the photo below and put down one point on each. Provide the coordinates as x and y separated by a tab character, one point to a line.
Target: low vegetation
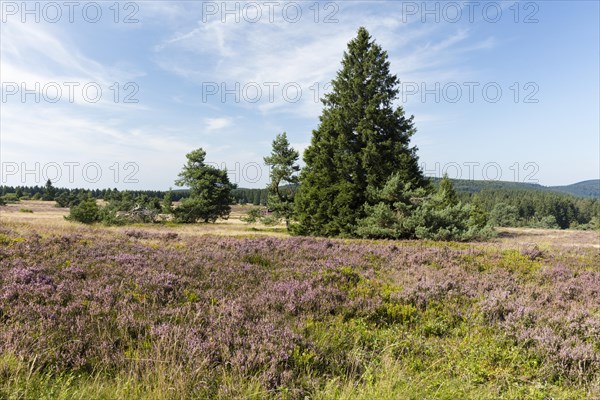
143	314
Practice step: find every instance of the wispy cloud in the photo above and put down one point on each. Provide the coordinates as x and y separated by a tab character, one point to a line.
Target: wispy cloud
215	124
271	54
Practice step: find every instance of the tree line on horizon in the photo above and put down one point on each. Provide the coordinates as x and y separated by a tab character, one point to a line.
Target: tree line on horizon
361	177
504	206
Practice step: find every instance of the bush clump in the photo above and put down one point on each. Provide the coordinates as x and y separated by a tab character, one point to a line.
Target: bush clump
86	212
407	213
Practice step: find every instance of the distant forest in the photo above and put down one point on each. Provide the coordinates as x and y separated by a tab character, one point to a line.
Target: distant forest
574	206
589	188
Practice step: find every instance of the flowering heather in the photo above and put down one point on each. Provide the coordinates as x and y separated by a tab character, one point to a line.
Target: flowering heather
290	317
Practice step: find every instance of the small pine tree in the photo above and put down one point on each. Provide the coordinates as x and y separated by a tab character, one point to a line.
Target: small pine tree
210	191
405	213
504	215
478	217
283	162
256	197
62	200
443	217
49	191
447	193
252	216
392	217
167	202
87	211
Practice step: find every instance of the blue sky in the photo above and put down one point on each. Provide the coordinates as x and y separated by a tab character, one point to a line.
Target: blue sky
177	58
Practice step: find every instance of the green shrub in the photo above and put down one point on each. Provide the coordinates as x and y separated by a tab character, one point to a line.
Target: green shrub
404	213
547	222
252	216
10	198
504	215
66	199
270	220
86	212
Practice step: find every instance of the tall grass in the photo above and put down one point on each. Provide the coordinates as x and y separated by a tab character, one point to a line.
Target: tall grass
94	313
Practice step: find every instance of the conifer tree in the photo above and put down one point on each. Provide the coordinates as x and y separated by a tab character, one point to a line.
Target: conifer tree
210	191
167	202
283	162
49	191
448	195
361	140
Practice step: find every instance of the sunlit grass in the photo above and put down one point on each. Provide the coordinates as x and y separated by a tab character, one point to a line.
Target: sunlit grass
232	310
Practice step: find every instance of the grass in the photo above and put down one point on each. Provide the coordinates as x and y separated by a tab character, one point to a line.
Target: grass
387	363
222	311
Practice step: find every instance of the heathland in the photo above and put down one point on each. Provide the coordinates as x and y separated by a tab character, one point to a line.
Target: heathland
231	310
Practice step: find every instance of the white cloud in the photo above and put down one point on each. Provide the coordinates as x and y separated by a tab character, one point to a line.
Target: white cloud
38	56
214	124
308	54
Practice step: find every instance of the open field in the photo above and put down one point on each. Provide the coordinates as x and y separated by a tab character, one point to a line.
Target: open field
235	311
46	216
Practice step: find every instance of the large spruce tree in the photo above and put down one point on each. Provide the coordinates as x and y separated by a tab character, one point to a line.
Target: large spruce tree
361	140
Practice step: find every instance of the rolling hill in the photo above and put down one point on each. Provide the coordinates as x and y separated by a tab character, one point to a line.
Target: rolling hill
588	189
